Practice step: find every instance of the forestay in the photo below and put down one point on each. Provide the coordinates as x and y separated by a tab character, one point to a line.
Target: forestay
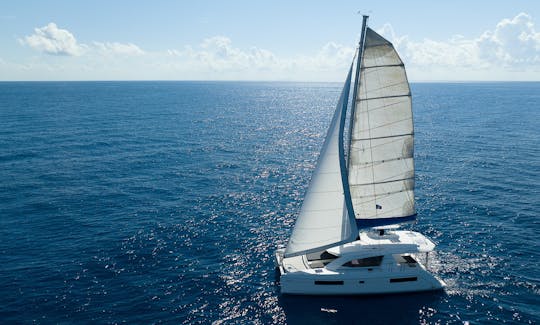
323	221
381	165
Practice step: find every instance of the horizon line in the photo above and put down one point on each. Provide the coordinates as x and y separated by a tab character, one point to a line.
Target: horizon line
254	80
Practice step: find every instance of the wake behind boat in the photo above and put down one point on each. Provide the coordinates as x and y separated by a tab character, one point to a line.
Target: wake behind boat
345	239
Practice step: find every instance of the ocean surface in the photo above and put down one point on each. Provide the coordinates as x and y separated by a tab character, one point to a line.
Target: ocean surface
163	202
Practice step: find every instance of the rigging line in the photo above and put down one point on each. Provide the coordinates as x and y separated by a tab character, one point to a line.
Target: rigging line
395	122
369	200
357	55
384	182
359	60
383	97
395	104
386	137
342	163
386	85
357	146
404	72
378	162
378	45
370	144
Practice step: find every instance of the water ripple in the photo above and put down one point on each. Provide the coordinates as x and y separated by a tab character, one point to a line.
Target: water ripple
154	202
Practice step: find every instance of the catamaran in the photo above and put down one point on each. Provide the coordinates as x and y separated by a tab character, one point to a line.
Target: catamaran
346	238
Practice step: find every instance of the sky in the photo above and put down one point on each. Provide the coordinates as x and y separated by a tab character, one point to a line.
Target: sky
458	40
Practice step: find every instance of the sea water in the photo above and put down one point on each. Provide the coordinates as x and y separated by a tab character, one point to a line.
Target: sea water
163	202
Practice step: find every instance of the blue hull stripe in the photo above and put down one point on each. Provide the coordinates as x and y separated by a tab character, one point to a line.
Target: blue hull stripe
369	223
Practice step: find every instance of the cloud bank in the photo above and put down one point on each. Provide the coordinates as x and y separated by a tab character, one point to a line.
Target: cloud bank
217	58
513	46
55	41
509	51
108	48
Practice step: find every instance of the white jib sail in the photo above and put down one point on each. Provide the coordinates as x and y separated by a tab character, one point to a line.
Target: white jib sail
381	165
323	221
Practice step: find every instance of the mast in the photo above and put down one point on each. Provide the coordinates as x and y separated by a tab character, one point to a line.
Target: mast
357	81
349	208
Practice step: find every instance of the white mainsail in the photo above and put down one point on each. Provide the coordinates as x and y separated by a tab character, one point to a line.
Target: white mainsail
323	221
381	165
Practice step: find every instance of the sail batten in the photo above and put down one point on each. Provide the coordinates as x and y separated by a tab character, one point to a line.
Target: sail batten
384	182
387	136
382	66
382	97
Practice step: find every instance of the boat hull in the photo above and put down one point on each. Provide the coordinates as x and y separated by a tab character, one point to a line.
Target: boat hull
356	282
362	285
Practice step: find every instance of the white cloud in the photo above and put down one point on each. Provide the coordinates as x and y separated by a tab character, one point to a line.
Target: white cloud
513	42
512	46
117	48
53	40
333	55
217	53
217	58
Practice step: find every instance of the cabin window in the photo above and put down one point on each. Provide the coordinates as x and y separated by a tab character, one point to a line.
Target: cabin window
411	279
329	282
324	255
365	262
405	260
319	259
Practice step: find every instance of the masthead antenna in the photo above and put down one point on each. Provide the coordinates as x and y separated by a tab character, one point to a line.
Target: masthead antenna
364	14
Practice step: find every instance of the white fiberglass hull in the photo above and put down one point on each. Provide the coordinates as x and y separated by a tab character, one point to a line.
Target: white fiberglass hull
396	271
358	284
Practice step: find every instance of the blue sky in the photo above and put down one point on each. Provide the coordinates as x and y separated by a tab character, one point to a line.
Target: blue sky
263	40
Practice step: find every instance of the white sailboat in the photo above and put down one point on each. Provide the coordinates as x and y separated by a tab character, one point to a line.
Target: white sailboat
345	240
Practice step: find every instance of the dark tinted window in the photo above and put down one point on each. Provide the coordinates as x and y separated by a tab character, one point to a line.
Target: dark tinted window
365	262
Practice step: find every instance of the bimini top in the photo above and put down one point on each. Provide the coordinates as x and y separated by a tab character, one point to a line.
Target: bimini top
398	242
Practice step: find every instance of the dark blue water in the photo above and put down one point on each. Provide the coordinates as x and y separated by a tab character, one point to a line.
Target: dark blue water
162	202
